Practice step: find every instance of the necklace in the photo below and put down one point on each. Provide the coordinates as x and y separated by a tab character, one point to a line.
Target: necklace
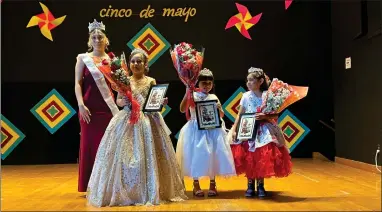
200	96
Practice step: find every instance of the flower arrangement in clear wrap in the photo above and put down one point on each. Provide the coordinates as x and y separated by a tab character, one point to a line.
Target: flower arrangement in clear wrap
280	95
188	63
116	72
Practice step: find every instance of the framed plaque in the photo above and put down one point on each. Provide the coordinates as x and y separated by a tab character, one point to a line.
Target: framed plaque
207	115
246	129
154	100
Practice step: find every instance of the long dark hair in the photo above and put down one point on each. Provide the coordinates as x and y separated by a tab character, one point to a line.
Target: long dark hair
207	78
259	74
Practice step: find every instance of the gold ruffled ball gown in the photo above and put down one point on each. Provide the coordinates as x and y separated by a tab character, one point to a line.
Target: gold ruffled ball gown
136	164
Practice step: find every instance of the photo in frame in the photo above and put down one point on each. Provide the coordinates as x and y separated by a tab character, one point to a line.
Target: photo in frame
207	114
155	98
246	129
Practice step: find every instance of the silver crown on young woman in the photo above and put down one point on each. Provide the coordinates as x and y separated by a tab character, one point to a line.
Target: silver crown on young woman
139	50
252	70
206	72
96	25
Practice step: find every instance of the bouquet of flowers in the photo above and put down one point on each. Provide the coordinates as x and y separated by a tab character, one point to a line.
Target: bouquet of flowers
188	63
280	95
117	74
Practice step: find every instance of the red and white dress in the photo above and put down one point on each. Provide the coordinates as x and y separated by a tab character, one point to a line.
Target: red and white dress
267	155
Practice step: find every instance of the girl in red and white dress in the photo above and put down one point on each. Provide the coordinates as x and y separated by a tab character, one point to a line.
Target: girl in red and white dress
267	155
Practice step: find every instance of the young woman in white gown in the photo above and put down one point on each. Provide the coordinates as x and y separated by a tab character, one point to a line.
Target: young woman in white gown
136	163
204	153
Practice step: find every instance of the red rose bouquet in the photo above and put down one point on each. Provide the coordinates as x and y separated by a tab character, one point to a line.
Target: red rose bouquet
116	73
188	63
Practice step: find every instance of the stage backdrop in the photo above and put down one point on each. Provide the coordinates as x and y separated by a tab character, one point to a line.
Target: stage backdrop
357	90
39	110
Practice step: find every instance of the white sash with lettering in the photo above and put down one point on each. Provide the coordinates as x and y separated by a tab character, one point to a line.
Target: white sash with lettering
101	83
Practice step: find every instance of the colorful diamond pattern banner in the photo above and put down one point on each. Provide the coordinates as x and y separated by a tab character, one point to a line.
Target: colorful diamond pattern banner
165	110
11	136
53	111
293	129
150	40
177	135
232	105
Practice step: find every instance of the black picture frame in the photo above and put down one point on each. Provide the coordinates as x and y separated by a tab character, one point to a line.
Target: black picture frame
156	105
250	131
210	109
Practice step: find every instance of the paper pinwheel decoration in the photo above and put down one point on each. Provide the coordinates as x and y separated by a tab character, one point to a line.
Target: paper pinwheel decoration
287	3
45	21
243	20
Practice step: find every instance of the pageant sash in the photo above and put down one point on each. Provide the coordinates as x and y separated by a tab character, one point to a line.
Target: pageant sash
101	83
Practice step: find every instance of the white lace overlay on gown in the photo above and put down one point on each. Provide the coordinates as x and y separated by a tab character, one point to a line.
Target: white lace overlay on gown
204	153
267	132
135	164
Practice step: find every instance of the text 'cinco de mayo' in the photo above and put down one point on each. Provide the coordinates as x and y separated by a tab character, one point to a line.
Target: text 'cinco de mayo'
148	12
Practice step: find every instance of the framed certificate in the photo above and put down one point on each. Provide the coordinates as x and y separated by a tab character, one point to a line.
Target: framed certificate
246	129
155	98
207	115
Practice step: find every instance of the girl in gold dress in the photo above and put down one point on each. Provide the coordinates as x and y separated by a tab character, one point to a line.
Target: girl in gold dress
135	163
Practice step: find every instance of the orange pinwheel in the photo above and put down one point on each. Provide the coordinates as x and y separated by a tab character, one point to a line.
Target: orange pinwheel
243	20
46	22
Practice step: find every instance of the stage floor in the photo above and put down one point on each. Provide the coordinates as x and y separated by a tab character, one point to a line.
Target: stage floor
314	185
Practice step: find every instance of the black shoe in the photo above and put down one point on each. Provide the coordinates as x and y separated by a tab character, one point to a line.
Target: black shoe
261	193
250	190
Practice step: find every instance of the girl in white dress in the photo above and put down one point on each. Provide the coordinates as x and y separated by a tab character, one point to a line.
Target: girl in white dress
135	163
204	153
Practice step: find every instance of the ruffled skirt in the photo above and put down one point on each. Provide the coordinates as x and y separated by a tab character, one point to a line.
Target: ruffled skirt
267	161
135	164
204	153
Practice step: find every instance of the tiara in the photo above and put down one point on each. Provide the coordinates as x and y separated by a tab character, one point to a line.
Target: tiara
96	25
252	70
206	72
139	50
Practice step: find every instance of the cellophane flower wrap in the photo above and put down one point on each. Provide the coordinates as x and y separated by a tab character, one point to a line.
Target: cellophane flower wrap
117	74
188	62
280	95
